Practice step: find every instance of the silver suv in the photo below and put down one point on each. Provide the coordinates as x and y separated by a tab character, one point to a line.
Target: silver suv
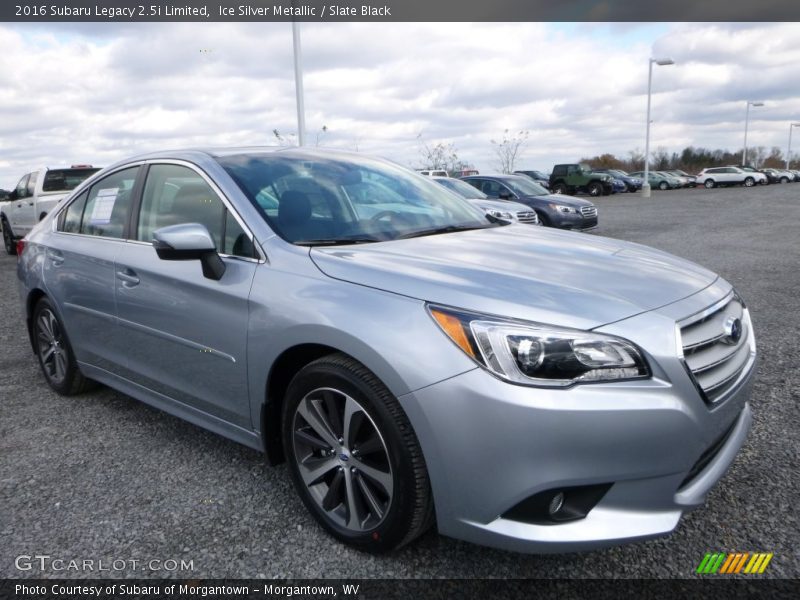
719	176
531	389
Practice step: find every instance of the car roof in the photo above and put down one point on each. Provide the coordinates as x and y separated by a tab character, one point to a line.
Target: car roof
200	155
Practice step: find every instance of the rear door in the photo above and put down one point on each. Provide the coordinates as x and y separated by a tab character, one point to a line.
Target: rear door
186	335
79	267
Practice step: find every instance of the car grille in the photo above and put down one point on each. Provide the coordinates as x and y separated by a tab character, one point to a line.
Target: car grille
527	216
589	212
715	358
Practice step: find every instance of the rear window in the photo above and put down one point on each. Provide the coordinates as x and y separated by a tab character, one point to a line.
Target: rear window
63	180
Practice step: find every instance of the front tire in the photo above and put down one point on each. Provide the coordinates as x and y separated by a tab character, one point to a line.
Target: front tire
595	189
784	180
749	182
353	456
663	186
54	352
709	183
8	238
543	220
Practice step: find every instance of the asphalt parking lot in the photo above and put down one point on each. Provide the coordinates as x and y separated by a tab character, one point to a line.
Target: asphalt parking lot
102	476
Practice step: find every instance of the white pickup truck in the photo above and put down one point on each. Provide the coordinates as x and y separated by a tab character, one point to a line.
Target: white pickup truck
35	195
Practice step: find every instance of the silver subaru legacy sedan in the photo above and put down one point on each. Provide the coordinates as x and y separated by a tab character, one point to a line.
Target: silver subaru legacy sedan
411	358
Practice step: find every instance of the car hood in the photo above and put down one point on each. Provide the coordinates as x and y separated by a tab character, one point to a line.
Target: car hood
505	205
562	278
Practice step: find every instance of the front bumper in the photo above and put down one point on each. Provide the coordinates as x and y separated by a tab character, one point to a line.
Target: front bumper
490	445
572	221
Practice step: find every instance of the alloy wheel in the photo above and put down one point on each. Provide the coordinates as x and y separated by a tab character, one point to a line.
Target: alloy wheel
342	459
51	347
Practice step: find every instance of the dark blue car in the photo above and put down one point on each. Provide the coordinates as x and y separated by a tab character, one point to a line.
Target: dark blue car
553	210
632	184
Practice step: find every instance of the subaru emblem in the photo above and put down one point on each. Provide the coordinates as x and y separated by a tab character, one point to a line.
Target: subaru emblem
733	330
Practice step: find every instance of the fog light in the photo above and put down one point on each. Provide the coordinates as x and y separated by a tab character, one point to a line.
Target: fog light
556	503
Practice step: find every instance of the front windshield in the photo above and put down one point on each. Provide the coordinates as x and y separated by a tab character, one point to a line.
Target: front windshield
619	173
462	188
309	197
523	186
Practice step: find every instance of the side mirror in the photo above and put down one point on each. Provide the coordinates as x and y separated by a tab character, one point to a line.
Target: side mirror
189	241
12	195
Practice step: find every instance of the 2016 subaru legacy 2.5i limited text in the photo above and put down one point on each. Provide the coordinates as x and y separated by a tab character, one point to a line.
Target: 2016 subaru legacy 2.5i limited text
408	355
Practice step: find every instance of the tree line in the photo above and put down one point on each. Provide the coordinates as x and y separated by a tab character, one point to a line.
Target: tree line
694	159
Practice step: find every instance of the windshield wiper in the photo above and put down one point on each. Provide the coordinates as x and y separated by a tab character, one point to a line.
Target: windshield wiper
446	229
336	241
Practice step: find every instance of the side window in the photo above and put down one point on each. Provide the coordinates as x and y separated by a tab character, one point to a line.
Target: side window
22	186
237	242
491	188
107	204
71	222
32	184
571	169
174	194
476	183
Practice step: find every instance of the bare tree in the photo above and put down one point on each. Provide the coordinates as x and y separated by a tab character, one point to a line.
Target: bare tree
440	156
509	148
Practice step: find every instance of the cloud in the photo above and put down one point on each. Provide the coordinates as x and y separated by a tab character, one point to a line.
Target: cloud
99	92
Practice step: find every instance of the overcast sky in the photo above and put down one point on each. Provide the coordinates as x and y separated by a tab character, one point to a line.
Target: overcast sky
95	93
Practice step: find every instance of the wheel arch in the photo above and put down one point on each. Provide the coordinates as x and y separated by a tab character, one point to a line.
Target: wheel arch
283	370
33	298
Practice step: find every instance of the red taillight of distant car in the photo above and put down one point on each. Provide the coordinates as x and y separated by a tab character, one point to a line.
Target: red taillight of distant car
20	247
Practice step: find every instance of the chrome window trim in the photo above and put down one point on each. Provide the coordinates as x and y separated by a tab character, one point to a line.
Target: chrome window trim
262	258
85	185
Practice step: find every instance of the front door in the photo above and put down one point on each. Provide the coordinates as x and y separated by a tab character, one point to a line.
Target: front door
186	334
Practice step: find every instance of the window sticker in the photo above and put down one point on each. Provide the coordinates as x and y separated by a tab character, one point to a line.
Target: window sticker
103	206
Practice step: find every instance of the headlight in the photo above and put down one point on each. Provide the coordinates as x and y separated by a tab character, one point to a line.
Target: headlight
541	355
562	208
499	214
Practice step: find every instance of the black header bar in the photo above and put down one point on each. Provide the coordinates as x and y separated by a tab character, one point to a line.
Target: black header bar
399	10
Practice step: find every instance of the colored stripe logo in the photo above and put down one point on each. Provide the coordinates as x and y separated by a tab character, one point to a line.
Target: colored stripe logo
734	563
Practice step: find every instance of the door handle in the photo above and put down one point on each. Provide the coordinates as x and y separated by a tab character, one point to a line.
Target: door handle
55	257
30	203
128	278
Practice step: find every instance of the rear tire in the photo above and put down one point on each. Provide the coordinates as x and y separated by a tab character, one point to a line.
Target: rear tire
663	186
353	456
54	352
8	238
560	188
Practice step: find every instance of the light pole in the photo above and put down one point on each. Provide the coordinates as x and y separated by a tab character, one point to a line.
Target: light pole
661	62
298	85
746	122
789	149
